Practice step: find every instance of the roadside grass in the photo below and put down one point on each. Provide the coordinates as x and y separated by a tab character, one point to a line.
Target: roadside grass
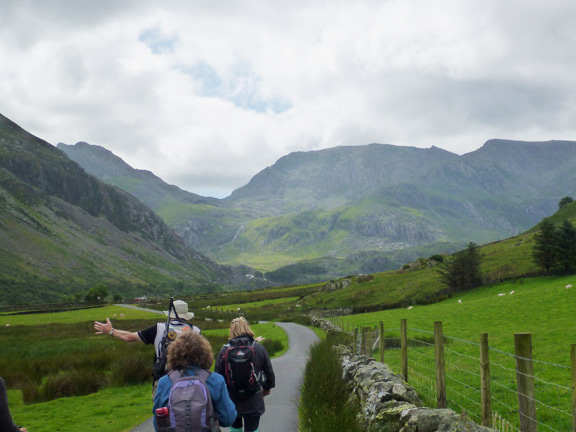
113	409
324	402
61	376
542	306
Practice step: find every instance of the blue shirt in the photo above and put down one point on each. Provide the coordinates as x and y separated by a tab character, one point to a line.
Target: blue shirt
223	406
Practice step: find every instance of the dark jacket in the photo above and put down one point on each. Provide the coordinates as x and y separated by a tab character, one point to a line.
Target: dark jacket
263	368
6	423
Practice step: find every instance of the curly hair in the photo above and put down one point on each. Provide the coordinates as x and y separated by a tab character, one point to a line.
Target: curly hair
189	348
239	326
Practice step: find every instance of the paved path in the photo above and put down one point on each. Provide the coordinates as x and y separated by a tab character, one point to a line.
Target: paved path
282	404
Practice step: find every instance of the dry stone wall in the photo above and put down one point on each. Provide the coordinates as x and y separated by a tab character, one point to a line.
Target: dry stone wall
388	403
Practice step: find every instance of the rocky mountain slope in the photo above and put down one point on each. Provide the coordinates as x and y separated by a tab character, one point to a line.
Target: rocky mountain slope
370	208
63	231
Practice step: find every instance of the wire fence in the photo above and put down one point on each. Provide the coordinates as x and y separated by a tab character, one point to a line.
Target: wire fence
506	391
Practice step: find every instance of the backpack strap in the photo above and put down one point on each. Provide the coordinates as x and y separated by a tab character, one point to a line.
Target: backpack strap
203	374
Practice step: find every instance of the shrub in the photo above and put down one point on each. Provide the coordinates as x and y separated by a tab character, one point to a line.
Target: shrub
69	383
272	346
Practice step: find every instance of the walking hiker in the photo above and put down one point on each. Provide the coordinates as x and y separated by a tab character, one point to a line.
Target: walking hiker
246	367
181	391
160	334
6	423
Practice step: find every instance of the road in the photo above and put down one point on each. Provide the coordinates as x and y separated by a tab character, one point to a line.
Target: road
282	404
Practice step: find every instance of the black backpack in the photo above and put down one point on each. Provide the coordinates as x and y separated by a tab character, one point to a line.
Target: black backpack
240	374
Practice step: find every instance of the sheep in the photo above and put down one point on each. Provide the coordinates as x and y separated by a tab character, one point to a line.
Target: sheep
501	294
410	307
459	301
511	292
7	325
568	286
121	315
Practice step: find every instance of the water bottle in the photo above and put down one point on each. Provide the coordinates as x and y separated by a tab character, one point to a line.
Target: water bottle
163	419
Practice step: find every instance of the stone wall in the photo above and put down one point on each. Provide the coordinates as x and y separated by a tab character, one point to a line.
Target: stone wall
388	403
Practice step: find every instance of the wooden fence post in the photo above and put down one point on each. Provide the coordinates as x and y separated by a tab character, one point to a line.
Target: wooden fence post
363	341
381	346
525	382
573	357
404	347
440	373
355	348
369	350
485	397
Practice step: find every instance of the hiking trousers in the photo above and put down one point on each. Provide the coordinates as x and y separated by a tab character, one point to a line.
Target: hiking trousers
251	423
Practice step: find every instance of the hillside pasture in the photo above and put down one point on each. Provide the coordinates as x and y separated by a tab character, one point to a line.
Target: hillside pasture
541	306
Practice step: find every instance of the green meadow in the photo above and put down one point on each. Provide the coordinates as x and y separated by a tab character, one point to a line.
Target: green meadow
541	306
63	377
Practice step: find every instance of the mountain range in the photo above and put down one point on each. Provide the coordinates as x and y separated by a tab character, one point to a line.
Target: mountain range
73	216
63	231
324	214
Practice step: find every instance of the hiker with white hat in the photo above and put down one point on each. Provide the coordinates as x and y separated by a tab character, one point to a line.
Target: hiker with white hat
160	334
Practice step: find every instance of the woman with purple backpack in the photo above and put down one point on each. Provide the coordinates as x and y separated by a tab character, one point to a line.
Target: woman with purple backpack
189	360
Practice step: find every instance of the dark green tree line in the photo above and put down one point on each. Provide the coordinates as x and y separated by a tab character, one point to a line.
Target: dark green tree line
555	246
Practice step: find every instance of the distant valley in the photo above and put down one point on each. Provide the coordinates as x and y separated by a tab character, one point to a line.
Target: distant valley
324	214
73	216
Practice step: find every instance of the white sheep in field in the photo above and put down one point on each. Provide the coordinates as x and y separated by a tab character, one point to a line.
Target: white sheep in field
459	301
568	286
7	325
410	307
511	292
121	315
501	294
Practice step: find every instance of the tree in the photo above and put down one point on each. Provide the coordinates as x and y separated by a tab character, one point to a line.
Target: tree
545	251
97	293
564	201
566	246
462	272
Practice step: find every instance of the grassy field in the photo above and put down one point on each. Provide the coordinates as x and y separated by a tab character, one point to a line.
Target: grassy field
541	306
48	355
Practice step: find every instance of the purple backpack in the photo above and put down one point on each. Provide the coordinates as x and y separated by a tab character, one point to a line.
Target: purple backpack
190	403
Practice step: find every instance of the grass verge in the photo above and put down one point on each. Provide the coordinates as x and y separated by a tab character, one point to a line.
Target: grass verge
325	405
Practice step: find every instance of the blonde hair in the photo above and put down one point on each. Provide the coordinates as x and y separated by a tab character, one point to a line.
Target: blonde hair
239	326
189	348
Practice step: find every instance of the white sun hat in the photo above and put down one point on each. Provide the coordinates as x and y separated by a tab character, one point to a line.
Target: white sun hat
182	310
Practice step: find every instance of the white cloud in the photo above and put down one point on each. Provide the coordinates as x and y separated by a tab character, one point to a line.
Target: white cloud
206	94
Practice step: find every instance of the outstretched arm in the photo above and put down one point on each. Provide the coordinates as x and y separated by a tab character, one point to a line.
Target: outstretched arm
107	328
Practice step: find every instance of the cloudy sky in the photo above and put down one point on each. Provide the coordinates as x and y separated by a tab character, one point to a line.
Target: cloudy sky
205	94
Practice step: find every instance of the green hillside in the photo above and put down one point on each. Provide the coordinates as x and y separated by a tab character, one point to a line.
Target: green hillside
357	209
63	231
